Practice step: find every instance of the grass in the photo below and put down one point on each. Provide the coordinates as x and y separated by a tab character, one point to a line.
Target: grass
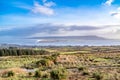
9	62
74	52
78	64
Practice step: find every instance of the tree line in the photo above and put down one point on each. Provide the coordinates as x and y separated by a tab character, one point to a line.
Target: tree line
19	52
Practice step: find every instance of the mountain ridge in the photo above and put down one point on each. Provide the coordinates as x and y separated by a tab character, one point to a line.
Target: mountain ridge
89	37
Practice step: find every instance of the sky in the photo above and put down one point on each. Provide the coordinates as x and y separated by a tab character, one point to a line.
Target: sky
40	18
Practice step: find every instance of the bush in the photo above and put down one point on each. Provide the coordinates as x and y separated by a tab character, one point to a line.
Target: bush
58	74
85	73
44	62
10	74
45	75
81	68
38	74
97	76
30	73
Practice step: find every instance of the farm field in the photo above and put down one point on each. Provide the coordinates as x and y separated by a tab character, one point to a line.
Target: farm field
64	63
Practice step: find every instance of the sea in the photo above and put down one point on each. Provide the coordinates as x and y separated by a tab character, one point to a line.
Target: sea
40	42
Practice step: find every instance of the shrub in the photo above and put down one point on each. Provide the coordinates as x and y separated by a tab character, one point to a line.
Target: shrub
38	74
85	73
54	56
58	74
81	68
45	75
97	76
43	62
43	68
30	73
10	74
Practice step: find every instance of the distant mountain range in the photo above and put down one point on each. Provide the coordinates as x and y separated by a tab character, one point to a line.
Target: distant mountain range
67	38
71	37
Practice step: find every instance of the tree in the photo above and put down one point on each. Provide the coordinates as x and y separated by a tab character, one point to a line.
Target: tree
1	52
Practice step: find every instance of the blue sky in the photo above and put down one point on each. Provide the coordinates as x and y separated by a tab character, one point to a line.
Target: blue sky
35	18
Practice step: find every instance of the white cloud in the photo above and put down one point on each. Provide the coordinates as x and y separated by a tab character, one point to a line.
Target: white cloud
108	31
116	14
109	2
49	4
43	9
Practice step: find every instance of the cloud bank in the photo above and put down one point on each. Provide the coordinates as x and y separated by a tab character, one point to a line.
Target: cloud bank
42	30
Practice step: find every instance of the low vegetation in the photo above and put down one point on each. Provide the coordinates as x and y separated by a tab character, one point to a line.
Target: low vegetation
83	63
58	74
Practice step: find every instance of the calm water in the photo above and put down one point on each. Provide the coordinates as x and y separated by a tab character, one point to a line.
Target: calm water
62	42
